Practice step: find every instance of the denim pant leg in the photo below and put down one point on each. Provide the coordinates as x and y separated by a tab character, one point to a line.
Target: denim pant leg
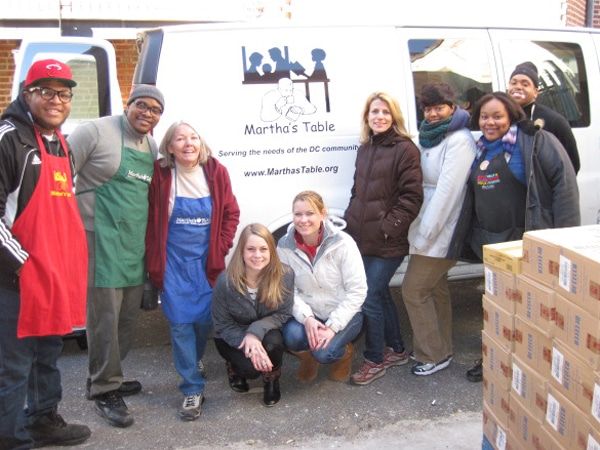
294	336
379	309
28	372
337	346
184	337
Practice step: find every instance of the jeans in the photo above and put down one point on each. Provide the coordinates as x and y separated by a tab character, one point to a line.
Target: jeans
295	339
189	343
381	315
28	373
242	366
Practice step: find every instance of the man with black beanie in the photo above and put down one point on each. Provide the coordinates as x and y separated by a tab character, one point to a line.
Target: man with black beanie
523	87
114	162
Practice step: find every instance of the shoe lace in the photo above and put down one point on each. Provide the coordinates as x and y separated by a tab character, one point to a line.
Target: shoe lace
113	400
54	419
191	401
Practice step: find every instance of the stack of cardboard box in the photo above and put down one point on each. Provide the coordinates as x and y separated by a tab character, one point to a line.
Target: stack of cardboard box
541	341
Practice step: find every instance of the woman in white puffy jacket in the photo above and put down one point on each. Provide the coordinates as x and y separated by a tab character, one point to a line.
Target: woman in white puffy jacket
447	153
330	288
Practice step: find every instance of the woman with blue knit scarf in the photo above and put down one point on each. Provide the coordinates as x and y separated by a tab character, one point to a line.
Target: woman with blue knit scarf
447	151
521	180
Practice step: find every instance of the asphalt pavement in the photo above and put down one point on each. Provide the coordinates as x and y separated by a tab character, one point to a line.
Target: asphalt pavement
397	411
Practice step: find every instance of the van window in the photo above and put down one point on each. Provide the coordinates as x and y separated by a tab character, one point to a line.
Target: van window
563	79
458	62
90	68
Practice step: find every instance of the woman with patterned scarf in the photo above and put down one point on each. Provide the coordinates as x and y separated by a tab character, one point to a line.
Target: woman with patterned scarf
447	151
521	180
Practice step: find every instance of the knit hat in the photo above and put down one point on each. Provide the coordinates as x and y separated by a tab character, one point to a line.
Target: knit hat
437	94
146	90
529	70
49	70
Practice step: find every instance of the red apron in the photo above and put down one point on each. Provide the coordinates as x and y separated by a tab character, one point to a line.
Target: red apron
53	280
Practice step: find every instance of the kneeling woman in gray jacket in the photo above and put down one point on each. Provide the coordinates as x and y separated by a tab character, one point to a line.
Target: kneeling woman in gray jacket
252	300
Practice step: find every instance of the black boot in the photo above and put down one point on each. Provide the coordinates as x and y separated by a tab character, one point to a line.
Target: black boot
236	382
51	429
475	373
272	394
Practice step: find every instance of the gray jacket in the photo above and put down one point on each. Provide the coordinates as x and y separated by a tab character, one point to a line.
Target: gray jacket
236	314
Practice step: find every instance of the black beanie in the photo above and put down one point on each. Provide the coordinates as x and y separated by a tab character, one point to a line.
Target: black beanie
529	70
437	94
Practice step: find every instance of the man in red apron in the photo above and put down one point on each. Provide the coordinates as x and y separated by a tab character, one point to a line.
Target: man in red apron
43	262
114	162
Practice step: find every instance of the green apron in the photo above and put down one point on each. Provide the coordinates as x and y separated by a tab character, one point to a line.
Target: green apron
120	220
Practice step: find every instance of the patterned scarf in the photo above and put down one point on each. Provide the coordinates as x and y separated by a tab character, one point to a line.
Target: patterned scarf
509	141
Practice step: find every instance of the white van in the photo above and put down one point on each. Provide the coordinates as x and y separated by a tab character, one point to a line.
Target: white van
280	105
94	66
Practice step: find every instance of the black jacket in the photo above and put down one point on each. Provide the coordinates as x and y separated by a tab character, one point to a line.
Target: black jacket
20	166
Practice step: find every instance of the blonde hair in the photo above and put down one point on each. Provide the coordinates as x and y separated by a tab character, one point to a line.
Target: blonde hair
271	291
397	118
168	160
314	199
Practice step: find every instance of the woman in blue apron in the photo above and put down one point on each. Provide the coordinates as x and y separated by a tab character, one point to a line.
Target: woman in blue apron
192	221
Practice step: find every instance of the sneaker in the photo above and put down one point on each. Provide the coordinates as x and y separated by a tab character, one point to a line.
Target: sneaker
412	356
112	407
202	369
391	358
428	368
367	372
51	429
192	407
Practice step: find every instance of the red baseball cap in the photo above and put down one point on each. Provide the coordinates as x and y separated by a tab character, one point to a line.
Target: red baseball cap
49	70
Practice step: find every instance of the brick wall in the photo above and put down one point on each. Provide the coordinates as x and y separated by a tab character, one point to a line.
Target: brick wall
576	11
7	67
125	50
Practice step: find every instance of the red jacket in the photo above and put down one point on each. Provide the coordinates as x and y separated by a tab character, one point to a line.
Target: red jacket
225	219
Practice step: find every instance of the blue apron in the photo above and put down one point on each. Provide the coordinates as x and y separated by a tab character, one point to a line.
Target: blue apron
187	293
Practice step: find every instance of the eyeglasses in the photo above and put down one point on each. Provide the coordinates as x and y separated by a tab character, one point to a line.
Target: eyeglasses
48	94
143	107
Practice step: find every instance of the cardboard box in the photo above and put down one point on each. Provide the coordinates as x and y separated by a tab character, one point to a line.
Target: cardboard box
579	330
498	323
493	430
535	303
497	397
595	410
540	256
500	286
533	346
507	256
579	275
572	376
530	388
524	430
567	423
497	361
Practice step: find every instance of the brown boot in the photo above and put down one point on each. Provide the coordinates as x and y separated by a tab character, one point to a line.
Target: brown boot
341	369
308	366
